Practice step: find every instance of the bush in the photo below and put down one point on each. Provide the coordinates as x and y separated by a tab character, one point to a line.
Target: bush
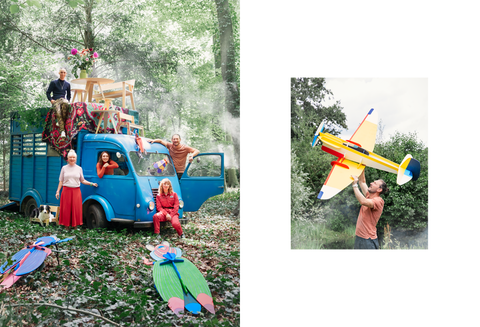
406	206
301	194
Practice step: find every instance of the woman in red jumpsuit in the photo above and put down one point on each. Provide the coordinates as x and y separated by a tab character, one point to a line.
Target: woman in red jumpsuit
167	208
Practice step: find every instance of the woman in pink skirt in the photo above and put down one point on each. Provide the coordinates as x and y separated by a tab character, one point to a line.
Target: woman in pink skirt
71	201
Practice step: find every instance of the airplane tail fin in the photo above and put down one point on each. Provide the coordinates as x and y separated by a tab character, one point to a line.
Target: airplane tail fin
408	169
317	133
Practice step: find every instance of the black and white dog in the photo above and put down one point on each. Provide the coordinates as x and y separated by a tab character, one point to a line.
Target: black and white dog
43	214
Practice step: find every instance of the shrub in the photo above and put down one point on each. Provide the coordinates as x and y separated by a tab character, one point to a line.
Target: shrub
301	194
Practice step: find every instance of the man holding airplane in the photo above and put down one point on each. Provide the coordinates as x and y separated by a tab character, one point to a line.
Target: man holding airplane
370	211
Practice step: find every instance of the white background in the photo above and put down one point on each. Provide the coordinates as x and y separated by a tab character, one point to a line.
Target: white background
367	39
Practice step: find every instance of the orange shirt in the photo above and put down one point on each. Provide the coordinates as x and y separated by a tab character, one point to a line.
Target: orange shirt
106	171
368	218
179	155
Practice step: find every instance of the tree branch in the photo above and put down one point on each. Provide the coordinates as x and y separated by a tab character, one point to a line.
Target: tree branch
18	87
28	37
65	309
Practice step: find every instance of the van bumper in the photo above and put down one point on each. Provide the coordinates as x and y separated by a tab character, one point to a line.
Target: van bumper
136	224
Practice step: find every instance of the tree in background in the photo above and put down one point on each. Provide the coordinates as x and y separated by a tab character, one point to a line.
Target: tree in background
168	47
406	206
301	194
307	112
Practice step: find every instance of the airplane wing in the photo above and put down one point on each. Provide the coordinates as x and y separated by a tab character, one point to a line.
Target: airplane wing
339	177
366	133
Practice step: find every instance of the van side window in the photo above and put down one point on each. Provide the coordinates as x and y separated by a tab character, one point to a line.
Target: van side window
206	166
122	169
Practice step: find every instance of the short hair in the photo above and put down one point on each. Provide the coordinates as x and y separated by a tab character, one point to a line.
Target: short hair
383	186
62	68
177	135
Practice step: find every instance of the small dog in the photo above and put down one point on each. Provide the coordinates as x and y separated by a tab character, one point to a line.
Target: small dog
43	214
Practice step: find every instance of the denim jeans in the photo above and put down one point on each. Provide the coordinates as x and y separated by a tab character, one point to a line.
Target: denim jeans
366	244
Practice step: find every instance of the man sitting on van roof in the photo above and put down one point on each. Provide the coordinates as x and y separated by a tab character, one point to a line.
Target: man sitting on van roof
179	153
61	96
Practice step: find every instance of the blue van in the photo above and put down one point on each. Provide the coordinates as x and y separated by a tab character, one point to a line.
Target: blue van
127	196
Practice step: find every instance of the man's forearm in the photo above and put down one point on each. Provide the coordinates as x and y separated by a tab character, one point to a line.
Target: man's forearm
363	187
162	142
360	198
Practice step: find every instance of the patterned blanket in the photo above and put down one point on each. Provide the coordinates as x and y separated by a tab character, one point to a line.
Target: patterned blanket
80	117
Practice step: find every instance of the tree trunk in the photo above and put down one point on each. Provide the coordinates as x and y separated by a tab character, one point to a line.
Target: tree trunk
227	57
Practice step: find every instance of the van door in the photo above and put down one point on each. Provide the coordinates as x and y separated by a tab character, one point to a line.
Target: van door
118	188
202	179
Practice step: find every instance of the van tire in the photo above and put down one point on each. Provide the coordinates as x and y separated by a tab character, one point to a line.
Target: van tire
29	206
96	216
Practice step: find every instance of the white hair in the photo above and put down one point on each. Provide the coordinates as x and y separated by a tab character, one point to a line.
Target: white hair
71	153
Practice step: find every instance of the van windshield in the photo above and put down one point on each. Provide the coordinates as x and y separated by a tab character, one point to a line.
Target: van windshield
152	164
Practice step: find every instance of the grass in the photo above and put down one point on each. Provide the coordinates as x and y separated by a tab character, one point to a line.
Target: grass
103	272
316	235
307	234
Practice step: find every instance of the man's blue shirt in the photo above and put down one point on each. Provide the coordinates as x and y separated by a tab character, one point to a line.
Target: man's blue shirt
58	91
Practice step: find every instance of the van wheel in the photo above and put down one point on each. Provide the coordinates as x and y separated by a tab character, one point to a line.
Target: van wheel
96	217
29	206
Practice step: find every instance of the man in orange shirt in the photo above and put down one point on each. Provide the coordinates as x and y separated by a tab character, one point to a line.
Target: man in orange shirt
370	211
179	153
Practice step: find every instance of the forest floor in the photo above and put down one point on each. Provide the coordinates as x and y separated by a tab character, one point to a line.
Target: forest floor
103	272
307	234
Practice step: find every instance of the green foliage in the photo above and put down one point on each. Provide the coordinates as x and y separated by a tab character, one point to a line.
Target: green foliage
300	193
307	112
307	234
341	211
406	206
168	47
103	271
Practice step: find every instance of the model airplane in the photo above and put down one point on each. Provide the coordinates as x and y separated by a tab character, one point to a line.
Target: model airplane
357	153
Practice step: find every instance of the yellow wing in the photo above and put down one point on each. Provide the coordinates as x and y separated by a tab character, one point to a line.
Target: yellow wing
366	133
340	177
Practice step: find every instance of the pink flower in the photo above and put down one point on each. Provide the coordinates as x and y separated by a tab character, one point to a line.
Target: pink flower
86	59
95	55
74	51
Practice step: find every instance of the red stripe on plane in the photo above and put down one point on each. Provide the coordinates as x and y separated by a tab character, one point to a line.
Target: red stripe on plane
333	152
357	144
333	163
359	126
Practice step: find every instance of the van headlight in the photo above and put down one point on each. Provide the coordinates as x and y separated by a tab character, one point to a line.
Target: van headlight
151	205
180	204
